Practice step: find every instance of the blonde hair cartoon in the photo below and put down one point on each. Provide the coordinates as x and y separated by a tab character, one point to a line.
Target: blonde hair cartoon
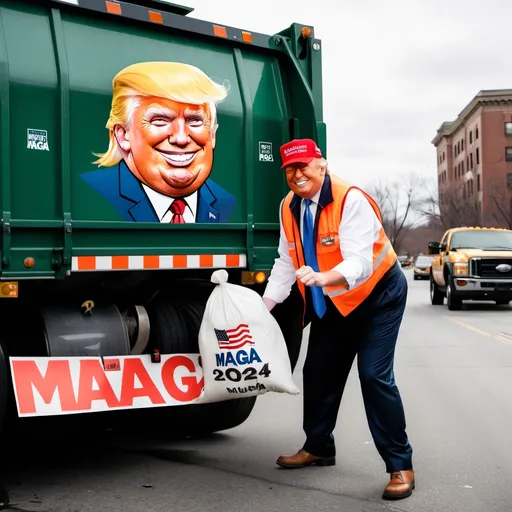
171	80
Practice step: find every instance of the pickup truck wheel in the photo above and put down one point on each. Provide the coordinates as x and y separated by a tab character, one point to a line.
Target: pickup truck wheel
453	302
436	295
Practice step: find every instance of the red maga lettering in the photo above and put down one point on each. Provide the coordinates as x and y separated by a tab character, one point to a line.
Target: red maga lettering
194	387
131	368
27	377
92	370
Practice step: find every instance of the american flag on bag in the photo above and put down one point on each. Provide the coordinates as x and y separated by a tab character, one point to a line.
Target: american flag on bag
232	339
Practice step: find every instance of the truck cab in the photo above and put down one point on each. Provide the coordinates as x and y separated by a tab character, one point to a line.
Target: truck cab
471	263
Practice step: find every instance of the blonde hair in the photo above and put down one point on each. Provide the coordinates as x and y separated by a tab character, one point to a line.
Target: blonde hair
171	80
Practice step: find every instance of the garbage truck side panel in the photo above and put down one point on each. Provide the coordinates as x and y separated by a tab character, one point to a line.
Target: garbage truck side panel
90	168
59	65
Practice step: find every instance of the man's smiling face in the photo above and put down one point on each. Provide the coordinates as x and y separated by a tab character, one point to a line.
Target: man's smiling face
306	179
168	145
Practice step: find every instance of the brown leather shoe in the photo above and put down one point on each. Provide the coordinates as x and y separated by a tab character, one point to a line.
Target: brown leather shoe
302	459
401	485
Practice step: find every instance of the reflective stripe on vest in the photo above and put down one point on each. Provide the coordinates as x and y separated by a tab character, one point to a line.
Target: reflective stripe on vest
378	261
328	247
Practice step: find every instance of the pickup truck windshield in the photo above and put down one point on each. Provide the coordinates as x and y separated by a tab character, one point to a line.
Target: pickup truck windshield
486	240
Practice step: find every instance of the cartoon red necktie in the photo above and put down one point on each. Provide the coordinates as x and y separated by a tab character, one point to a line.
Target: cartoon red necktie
177	209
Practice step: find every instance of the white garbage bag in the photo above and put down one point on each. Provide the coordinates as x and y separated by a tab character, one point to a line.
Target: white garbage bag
242	348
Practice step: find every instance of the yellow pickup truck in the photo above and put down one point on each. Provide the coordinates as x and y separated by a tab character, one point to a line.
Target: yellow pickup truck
471	263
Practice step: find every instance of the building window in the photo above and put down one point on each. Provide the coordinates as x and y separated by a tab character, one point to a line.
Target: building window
471	160
455	173
478	182
471	137
508	129
508	154
509	180
477	156
476	133
462	144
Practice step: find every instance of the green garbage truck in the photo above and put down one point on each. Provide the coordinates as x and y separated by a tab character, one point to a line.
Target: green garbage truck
139	152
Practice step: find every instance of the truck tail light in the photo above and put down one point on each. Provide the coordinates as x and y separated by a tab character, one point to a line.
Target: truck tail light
258	277
9	290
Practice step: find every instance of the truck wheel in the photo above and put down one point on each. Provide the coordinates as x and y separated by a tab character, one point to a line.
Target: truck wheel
175	325
453	302
436	295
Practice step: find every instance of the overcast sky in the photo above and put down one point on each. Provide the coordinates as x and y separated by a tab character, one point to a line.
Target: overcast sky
393	70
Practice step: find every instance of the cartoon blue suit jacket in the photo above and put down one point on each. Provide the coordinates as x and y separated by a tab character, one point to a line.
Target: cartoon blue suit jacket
125	193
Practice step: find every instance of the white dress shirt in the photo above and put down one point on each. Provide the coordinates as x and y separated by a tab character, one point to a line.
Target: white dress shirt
161	204
359	230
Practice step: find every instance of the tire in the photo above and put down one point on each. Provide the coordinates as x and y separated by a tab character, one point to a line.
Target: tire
453	302
436	295
175	325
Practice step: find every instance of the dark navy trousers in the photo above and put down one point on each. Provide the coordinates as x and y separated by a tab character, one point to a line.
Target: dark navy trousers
371	332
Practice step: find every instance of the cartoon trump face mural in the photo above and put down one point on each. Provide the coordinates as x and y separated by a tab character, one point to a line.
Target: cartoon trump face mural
162	128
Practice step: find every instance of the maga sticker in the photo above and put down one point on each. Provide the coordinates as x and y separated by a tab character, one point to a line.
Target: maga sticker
266	154
37	139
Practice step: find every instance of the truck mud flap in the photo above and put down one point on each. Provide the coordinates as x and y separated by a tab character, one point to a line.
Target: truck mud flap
289	317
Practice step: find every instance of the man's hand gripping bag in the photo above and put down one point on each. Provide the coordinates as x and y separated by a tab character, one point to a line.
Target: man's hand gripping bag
243	352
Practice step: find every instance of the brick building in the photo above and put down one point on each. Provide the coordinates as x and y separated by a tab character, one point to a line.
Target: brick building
474	162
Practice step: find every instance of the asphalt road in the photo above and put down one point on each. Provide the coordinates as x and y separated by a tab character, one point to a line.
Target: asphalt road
454	370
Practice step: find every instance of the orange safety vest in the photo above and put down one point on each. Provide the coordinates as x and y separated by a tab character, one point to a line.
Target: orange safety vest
331	203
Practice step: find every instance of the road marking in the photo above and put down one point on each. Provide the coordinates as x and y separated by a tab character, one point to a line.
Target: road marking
467	326
503	337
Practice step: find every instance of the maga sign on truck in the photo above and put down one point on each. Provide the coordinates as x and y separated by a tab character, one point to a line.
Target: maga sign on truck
53	386
162	135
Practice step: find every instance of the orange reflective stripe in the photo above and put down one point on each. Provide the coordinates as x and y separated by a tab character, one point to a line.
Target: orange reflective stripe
378	261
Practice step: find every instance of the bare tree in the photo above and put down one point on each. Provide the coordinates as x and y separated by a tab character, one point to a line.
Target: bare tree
399	203
450	208
500	198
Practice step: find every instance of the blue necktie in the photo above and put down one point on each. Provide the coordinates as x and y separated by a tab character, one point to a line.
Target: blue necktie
311	260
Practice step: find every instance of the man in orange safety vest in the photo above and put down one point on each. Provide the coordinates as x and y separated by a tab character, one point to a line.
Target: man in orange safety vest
333	245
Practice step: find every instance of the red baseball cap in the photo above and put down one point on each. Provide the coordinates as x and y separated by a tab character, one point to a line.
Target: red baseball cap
299	151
